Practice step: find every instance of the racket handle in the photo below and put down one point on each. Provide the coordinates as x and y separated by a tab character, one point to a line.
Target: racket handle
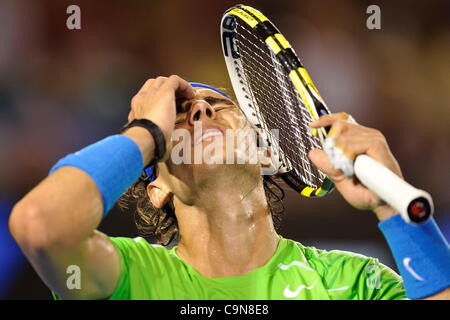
414	205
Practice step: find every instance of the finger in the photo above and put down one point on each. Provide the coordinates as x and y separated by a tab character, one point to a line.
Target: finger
346	151
329	119
342	126
158	83
348	135
362	140
338	128
320	159
356	139
181	87
338	158
340	143
352	139
153	84
146	86
373	145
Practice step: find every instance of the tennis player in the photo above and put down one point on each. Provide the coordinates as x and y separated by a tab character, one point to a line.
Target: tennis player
224	216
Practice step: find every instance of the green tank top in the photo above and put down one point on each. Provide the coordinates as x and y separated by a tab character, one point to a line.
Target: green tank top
150	271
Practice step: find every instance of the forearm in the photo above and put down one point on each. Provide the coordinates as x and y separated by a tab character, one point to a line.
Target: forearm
68	205
54	224
421	253
384	212
62	210
144	141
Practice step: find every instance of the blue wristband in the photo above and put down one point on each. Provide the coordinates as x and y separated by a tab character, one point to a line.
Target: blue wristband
421	253
114	163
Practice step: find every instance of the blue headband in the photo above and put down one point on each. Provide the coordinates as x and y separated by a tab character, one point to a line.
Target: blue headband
201	85
149	171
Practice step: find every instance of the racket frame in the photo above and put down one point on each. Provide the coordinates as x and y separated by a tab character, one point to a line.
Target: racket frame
298	76
415	205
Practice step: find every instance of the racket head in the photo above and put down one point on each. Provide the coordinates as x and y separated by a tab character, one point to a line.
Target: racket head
274	91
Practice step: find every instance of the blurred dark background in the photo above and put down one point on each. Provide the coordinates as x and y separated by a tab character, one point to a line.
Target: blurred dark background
61	90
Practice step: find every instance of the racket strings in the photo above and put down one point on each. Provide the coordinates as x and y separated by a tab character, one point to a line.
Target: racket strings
293	150
277	103
271	122
285	84
265	54
255	68
286	142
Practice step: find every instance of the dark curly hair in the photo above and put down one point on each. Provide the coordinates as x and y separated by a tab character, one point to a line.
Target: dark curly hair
162	224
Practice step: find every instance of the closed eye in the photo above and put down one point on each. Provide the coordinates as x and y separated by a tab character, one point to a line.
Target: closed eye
218	101
221	108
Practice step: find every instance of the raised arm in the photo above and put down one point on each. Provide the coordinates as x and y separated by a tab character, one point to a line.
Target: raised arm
55	223
421	252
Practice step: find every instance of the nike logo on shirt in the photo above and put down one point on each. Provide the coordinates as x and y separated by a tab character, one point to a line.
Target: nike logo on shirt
292	294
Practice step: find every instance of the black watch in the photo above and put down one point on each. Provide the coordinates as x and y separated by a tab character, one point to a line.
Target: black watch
155	131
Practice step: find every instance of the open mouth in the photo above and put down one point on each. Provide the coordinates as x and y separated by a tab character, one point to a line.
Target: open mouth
208	135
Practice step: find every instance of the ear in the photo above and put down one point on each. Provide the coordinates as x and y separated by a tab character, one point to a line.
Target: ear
158	196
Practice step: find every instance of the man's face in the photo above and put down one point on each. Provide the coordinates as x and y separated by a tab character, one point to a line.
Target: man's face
206	141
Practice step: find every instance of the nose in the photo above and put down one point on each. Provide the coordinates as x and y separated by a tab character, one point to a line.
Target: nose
201	110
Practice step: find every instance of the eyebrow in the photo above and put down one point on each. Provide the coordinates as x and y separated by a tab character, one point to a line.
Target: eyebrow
209	99
213	100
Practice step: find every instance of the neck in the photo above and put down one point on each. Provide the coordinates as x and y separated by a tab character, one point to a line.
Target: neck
230	239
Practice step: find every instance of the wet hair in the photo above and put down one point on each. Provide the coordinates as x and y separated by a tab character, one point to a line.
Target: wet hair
161	223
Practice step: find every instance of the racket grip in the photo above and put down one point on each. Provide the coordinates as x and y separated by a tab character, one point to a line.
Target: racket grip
414	205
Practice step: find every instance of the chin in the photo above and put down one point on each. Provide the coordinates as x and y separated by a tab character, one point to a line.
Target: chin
222	173
218	167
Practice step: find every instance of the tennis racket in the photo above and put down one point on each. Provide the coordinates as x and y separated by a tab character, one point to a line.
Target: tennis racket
274	91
